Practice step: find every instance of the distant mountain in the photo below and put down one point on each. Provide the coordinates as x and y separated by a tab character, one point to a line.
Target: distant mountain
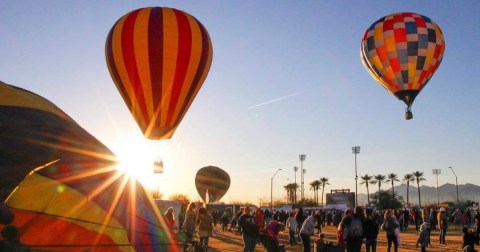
446	192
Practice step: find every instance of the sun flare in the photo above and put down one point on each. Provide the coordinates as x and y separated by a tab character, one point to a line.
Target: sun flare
137	157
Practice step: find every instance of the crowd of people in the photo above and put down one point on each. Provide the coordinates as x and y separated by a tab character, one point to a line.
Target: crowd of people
354	227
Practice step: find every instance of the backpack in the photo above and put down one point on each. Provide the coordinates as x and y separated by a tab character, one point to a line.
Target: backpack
356	229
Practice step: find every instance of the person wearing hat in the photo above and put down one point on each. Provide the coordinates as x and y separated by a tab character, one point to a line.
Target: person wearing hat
442	224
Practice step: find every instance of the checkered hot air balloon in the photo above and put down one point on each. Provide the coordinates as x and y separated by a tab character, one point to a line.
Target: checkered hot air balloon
158	58
402	51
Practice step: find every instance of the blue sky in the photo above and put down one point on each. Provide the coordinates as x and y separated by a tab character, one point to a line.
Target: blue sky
302	55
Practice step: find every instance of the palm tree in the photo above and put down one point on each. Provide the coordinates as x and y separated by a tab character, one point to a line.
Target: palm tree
290	188
315	185
392	177
408	178
324	182
366	179
379	179
419	177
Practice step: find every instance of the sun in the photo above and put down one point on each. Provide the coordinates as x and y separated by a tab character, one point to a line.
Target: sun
137	156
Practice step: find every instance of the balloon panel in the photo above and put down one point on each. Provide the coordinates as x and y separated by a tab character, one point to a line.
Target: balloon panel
34	132
402	51
158	58
213	181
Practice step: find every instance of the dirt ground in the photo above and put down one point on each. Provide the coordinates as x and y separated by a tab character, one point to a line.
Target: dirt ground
228	241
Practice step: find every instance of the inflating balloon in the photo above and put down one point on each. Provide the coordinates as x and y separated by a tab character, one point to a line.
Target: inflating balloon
33	132
212	182
158	58
67	193
402	51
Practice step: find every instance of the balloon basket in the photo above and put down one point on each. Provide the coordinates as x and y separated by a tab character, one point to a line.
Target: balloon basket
408	115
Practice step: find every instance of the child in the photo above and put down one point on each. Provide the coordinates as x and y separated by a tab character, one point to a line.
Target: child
423	237
468	243
320	244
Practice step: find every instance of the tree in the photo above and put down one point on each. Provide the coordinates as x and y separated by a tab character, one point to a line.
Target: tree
384	200
179	197
291	188
156	194
366	179
379	179
392	177
324	182
408	178
315	185
419	177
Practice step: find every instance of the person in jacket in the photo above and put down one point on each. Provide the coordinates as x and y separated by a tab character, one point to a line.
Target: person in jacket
370	231
307	229
390	223
442	224
205	226
291	226
189	224
249	230
423	237
353	230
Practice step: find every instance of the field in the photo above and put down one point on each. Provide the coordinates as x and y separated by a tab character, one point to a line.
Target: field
228	241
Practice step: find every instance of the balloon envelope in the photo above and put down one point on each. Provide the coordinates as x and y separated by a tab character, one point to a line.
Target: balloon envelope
402	51
158	58
76	200
213	182
34	131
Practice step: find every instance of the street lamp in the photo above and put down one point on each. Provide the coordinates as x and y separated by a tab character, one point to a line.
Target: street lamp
295	169
302	172
456	182
437	172
271	190
355	151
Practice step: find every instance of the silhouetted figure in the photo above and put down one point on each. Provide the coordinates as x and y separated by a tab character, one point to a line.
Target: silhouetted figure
11	241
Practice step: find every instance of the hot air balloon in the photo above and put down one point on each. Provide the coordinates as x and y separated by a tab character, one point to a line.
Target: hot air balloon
402	51
212	182
158	58
76	200
33	132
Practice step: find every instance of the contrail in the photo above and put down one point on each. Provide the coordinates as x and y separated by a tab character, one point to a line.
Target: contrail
275	100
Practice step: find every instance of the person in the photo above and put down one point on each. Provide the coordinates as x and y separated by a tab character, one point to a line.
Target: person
307	229
169	218
443	225
11	241
225	220
320	245
292	228
181	218
300	218
249	230
205	226
215	217
426	218
468	243
423	237
390	223
270	237
340	230
370	231
353	230
189	224
259	219
457	220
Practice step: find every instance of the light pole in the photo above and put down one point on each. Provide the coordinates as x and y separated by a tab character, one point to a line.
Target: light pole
437	172
271	190
302	172
355	151
295	169
456	182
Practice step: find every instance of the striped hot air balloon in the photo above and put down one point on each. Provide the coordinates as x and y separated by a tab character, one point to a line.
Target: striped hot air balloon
402	51
158	58
64	191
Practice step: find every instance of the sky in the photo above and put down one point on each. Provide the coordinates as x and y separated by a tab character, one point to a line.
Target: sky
286	79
